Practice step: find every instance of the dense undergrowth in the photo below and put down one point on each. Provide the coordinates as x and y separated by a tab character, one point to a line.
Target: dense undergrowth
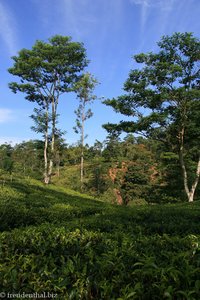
58	241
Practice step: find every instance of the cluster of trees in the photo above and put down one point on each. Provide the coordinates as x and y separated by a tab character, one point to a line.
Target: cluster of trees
46	72
161	98
117	170
25	158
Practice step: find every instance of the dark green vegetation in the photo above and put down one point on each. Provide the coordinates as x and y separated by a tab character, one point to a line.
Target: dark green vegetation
70	244
46	72
82	246
137	169
162	96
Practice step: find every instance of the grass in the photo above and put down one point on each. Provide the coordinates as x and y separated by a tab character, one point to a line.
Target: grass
59	241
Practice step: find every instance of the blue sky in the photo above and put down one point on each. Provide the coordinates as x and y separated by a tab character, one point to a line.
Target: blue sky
112	32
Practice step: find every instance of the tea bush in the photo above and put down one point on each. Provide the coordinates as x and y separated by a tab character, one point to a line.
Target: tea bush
59	241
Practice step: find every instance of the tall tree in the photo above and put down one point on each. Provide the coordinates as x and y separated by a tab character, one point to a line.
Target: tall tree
84	89
47	71
162	96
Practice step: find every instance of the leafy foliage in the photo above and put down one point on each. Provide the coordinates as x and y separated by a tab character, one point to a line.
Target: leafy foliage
161	97
80	248
46	72
57	62
75	246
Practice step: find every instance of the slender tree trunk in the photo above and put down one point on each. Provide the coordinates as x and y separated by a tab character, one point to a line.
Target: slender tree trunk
182	163
195	183
52	138
46	177
189	192
82	146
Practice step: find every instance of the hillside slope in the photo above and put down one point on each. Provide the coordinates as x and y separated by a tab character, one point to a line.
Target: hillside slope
61	242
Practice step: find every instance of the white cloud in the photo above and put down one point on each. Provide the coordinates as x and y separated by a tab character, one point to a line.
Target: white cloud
87	21
8	29
6	115
164	6
159	13
80	18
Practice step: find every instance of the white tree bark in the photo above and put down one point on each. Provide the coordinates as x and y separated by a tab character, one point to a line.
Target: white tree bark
82	145
46	177
195	183
189	191
54	103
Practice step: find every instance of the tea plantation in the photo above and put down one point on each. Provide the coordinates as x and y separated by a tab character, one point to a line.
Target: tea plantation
74	247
